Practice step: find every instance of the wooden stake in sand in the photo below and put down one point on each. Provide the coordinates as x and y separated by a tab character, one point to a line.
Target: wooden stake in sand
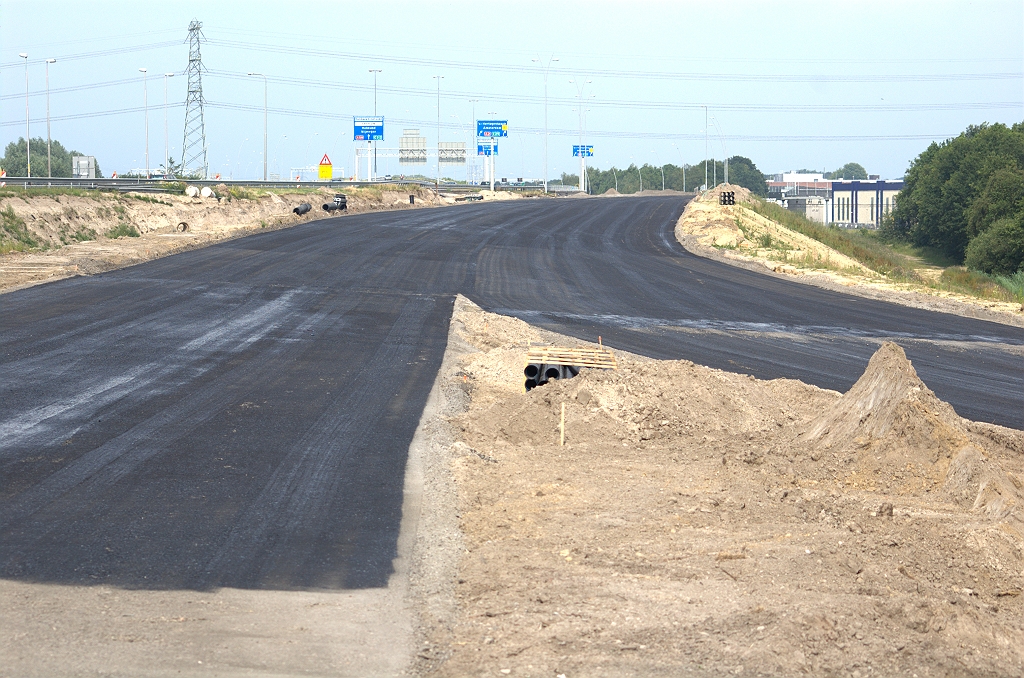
561	427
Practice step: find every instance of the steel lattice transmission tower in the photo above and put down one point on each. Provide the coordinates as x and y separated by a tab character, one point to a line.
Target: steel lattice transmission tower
193	147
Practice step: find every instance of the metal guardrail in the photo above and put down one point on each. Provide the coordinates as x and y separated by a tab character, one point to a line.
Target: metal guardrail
161	185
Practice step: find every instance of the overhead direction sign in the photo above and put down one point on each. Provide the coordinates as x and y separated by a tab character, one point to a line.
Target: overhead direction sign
585	151
484	148
368	128
326	168
492	128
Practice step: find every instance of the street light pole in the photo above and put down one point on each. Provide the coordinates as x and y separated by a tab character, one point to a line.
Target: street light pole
473	137
375	71
49	169
546	69
145	105
580	86
28	138
437	180
167	148
260	75
705	147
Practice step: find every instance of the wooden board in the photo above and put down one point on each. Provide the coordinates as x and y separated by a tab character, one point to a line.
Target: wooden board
564	355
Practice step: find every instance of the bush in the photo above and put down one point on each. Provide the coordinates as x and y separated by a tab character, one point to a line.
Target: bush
999	250
14	235
122	229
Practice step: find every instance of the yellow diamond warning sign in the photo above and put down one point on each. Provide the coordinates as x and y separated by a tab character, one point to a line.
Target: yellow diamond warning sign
326	169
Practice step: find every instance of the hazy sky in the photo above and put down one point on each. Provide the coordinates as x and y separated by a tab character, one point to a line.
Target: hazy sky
790	85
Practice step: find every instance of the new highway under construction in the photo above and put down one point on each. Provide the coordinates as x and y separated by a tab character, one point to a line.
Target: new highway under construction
240	415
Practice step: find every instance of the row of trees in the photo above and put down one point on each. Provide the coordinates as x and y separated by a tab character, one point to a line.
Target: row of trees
742	172
965	197
15	160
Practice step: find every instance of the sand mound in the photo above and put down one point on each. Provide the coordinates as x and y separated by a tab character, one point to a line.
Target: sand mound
611	191
742	194
890	431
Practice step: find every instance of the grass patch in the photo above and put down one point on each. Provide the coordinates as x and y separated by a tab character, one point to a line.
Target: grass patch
927	255
122	229
53	191
242	193
1014	284
14	235
147	198
975	283
862	247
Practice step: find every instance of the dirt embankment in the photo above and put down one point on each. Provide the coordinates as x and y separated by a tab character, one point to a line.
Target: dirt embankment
738	235
708	522
86	234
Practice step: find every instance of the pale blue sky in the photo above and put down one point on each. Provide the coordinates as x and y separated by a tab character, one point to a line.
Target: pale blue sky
794	84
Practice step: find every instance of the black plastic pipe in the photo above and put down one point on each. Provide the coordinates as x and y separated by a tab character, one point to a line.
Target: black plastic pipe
303	208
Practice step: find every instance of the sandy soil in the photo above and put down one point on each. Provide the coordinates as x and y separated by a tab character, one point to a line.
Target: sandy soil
736	234
62	221
709	523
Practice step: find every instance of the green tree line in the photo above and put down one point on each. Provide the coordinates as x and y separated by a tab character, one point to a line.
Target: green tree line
15	161
742	172
965	197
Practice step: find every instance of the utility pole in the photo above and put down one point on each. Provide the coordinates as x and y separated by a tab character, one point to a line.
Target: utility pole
375	71
264	122
546	69
49	169
145	105
490	157
437	180
167	145
705	147
28	139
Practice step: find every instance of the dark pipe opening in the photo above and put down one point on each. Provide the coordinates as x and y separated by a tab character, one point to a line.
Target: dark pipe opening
531	384
553	373
303	208
531	371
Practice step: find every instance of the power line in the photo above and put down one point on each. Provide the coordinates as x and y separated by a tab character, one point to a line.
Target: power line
630	74
629	104
102	53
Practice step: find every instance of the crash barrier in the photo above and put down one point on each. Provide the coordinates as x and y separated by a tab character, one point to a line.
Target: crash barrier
727	198
303	208
544	363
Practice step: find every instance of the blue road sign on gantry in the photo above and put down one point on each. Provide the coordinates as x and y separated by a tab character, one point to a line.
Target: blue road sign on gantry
585	151
368	128
486	148
492	128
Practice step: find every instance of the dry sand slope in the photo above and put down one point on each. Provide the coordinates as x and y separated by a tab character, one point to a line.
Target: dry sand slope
707	523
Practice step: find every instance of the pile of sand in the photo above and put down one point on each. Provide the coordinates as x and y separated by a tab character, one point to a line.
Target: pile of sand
700	520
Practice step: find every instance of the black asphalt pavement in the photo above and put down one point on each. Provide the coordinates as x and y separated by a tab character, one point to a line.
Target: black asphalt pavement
240	415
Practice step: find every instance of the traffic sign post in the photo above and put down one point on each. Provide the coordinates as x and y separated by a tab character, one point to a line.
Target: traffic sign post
582	151
368	128
326	169
490	130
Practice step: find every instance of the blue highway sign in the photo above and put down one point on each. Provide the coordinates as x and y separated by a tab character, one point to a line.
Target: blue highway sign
368	128
492	128
586	151
485	148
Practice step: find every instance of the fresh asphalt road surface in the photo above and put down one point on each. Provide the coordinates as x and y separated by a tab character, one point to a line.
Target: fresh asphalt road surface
240	415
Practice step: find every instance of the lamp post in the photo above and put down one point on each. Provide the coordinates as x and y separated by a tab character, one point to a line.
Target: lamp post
260	75
662	169
546	69
580	86
167	148
639	175
28	138
705	147
437	180
375	71
473	138
682	165
145	105
49	169
725	152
